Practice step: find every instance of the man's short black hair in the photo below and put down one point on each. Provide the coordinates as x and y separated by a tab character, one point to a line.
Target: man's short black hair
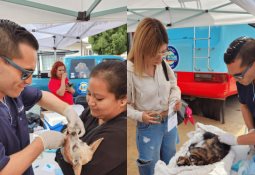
11	35
241	48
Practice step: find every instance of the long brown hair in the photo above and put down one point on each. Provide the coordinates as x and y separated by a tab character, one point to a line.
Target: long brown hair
150	35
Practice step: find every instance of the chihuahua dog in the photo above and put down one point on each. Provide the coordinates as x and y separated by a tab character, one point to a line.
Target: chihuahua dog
77	152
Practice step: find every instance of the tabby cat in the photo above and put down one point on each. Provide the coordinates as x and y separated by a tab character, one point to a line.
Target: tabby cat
211	150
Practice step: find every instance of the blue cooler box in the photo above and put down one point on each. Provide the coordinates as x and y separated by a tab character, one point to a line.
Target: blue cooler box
53	121
58	127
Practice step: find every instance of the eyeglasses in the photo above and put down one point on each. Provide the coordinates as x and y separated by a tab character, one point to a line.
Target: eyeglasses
240	76
25	73
164	53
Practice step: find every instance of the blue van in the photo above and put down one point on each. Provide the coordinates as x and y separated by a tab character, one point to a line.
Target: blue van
78	69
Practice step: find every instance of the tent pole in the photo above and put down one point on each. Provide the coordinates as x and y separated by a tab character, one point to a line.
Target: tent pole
81	47
91	8
55	54
44	7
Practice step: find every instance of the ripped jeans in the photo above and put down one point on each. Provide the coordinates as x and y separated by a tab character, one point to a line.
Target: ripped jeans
154	143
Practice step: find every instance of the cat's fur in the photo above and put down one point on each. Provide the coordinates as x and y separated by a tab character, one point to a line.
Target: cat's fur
210	151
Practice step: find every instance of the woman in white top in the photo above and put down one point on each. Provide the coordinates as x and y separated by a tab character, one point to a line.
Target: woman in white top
150	94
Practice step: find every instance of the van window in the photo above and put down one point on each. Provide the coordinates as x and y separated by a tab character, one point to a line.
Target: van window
81	68
111	59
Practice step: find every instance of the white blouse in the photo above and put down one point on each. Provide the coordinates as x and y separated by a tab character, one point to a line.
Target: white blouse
148	93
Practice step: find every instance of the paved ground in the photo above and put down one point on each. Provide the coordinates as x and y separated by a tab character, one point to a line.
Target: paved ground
233	123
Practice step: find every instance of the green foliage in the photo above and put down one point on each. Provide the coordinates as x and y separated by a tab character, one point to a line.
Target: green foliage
112	42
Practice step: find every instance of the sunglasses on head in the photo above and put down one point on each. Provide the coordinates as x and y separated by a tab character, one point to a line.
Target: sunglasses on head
242	74
235	47
25	73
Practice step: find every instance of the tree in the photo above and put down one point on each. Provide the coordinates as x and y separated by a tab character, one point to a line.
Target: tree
112	42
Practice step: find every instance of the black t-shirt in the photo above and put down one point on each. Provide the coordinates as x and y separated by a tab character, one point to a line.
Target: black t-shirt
110	157
246	95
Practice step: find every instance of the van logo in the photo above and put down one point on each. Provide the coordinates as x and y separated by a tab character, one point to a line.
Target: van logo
82	87
173	57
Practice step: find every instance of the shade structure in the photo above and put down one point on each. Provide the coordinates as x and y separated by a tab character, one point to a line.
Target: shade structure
57	24
190	13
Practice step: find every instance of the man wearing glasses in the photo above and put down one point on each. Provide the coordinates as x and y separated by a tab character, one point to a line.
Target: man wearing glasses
240	58
18	49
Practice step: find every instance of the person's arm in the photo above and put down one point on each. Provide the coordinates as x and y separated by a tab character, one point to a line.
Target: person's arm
146	117
52	103
70	89
247	116
247	139
230	139
132	113
62	88
24	158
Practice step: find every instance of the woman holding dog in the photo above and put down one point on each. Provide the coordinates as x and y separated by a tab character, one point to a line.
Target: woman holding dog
59	84
105	118
149	95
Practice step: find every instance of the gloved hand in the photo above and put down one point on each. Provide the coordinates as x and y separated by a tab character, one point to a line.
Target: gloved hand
228	139
252	147
52	139
74	121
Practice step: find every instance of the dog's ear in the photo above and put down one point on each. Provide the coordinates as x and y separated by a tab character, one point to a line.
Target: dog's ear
88	151
77	168
95	145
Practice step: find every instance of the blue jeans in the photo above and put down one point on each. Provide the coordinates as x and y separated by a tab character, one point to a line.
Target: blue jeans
154	143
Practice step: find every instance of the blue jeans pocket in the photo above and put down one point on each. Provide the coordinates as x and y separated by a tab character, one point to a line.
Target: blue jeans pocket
141	125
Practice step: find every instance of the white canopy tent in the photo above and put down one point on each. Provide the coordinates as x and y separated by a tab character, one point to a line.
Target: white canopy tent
189	13
57	24
59	36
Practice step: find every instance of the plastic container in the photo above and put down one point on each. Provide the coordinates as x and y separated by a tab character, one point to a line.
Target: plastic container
57	127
